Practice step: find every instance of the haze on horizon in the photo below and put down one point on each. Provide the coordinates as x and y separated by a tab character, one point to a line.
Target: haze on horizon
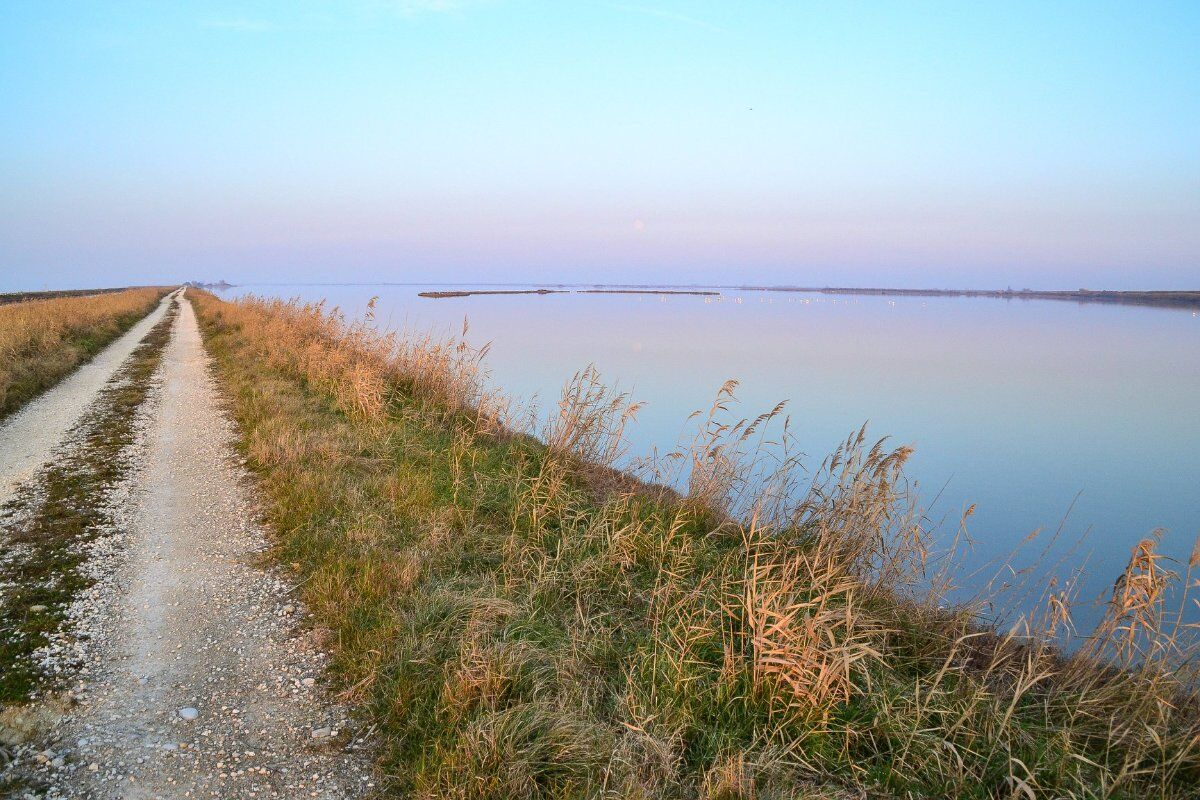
954	145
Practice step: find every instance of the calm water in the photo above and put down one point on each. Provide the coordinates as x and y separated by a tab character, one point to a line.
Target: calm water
1019	407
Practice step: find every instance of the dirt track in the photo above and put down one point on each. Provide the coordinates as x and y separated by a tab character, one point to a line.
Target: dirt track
202	682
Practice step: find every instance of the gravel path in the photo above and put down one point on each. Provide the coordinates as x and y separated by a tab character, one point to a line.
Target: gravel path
28	438
205	684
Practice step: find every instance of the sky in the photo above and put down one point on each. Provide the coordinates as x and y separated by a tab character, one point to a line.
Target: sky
958	145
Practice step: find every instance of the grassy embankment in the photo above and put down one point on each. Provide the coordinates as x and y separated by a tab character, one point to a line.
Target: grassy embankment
42	341
521	621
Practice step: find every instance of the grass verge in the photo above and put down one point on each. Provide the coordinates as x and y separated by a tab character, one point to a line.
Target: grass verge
519	620
43	340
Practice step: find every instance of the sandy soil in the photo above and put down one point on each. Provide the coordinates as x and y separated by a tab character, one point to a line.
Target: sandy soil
28	438
205	683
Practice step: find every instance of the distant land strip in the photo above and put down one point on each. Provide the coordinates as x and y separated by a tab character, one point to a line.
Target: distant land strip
21	297
445	294
650	291
467	293
1162	298
1177	299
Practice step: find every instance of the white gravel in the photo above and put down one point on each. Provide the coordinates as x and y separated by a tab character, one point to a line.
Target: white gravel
200	681
28	438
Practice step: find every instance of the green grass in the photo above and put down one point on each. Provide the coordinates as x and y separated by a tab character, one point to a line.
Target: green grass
520	623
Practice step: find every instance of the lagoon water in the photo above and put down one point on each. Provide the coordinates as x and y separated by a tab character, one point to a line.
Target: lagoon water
1041	413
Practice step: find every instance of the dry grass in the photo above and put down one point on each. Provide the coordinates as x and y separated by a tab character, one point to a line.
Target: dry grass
41	341
518	629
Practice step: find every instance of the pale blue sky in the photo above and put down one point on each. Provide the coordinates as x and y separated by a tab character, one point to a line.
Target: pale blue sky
913	144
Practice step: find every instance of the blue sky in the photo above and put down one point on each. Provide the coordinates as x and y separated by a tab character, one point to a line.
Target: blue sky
912	144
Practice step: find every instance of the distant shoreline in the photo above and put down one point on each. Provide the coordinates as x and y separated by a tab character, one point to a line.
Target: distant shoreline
1175	299
705	292
1161	298
442	295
